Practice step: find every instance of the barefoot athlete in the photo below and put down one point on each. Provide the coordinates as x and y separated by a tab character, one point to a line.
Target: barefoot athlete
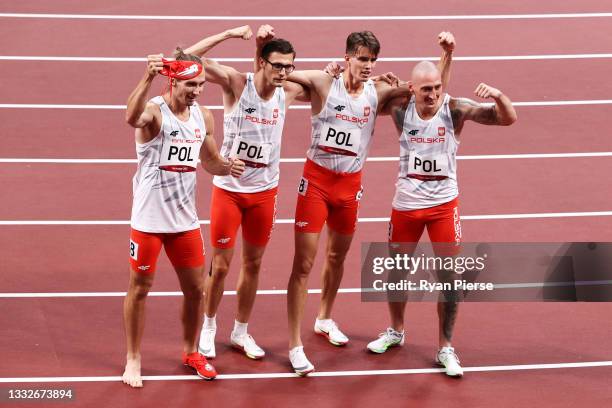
172	132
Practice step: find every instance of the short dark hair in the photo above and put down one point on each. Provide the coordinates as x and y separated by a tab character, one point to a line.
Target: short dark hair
179	55
362	39
277	45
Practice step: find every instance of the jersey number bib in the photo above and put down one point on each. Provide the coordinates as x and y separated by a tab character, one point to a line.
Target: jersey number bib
252	153
427	167
340	140
180	155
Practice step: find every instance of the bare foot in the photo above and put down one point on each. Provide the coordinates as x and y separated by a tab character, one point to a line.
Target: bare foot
131	375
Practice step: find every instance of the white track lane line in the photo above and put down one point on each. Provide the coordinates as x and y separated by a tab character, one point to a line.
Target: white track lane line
318	59
266	292
294	107
520	367
302	160
308	18
291	220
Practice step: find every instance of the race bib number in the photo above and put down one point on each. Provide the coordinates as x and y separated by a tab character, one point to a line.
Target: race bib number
253	154
340	140
303	186
180	155
427	167
133	250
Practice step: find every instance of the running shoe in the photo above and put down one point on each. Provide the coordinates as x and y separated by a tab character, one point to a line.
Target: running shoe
207	342
390	338
447	358
329	329
299	362
202	367
247	344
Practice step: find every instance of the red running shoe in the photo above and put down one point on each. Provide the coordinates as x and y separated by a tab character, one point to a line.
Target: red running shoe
202	367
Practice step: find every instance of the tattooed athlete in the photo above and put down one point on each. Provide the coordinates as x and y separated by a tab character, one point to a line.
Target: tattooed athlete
430	124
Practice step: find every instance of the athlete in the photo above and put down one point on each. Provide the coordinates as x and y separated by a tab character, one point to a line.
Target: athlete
344	110
172	132
255	105
430	124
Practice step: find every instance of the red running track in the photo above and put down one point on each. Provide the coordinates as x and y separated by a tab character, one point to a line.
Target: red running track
83	336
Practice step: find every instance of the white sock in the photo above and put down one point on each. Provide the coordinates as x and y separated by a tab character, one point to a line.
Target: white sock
240	329
210	322
324	322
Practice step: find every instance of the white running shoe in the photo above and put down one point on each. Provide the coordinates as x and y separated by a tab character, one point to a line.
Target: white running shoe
206	347
329	329
299	362
389	338
246	343
447	358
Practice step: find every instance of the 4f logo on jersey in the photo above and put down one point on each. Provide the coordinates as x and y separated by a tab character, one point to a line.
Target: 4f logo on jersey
413	132
441	131
366	111
174	133
275	114
250	110
339	108
198	133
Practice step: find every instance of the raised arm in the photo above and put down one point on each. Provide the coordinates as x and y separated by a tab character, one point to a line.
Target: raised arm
264	34
203	46
210	158
447	42
502	113
139	114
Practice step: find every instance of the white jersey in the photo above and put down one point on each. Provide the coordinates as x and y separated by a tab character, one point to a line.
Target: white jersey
428	164
343	130
165	181
252	133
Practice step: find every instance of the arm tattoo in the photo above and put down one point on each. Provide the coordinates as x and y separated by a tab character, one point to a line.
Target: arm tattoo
486	116
398	115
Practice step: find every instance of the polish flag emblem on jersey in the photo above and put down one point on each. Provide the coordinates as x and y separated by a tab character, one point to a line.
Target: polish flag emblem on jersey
366	111
275	114
198	134
441	131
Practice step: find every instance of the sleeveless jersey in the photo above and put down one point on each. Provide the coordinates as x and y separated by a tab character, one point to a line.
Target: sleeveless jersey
343	130
165	181
428	165
252	133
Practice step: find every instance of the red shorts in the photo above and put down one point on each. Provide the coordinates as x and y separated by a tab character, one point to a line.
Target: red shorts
255	211
442	222
324	195
184	249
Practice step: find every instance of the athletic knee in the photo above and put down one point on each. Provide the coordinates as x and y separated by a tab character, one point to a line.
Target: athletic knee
302	265
335	259
194	291
139	288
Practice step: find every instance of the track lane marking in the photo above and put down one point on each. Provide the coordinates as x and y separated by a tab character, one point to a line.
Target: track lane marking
519	367
309	18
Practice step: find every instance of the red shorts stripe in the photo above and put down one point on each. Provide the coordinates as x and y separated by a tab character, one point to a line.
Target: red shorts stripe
256	213
184	249
324	195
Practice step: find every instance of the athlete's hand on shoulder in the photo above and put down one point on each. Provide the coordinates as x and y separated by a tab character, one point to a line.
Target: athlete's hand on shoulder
265	33
485	91
154	64
447	41
236	167
389	78
334	69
